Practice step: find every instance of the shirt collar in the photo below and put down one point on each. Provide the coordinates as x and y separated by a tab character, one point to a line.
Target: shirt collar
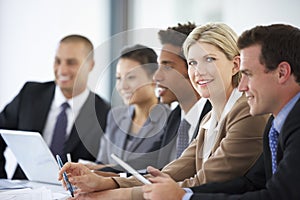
234	96
192	116
282	115
75	103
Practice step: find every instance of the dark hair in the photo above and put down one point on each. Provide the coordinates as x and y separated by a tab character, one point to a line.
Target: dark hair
279	42
84	40
176	35
142	54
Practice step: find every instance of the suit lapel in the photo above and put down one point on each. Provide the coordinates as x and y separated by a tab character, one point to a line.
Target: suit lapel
147	135
201	135
292	118
266	149
142	135
41	107
206	109
122	138
196	130
220	135
200	142
170	132
125	125
83	128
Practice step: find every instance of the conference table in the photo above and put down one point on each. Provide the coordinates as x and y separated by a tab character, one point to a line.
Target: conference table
25	190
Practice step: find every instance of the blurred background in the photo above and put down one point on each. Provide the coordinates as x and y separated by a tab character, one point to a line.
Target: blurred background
31	29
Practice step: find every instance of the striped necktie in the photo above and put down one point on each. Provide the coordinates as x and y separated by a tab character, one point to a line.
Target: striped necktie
60	131
183	137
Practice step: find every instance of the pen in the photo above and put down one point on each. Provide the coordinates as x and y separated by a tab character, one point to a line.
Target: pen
69	157
69	186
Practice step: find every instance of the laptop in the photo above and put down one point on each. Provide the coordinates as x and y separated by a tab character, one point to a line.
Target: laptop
33	155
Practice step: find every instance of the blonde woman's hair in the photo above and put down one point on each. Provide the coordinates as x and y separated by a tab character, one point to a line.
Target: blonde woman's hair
219	35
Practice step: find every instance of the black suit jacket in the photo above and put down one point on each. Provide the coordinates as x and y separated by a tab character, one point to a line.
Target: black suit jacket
284	184
170	132
29	110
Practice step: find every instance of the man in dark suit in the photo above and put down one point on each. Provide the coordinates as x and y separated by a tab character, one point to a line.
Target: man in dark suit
38	105
173	85
271	80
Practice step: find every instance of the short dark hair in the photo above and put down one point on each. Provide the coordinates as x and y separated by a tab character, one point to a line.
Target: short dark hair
176	35
279	42
79	38
142	54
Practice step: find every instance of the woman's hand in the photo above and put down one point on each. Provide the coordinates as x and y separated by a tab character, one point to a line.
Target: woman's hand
120	194
94	166
163	187
84	179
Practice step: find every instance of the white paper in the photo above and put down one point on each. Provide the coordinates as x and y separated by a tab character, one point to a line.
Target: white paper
27	194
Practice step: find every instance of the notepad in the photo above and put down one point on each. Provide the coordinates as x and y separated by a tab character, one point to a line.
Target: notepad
130	169
33	155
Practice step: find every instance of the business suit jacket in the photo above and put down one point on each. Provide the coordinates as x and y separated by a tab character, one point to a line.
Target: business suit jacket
143	150
169	138
238	146
29	110
284	184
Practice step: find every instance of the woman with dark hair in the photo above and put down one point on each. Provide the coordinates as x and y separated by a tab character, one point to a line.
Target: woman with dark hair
134	130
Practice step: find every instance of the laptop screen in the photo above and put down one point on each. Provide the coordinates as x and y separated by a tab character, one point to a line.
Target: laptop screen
33	155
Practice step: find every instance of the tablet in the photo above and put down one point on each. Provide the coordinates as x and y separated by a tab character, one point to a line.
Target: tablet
33	155
130	169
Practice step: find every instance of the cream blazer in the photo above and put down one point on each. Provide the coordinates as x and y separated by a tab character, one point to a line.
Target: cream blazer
238	146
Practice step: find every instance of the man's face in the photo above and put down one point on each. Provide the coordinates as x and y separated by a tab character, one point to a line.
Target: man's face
171	76
71	70
258	84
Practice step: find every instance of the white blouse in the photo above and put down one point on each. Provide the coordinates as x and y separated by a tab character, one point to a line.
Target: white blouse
212	126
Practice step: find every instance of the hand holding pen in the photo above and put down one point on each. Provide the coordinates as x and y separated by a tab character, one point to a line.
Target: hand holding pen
65	177
84	180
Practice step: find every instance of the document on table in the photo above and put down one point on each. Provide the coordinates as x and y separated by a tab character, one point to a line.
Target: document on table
41	193
6	184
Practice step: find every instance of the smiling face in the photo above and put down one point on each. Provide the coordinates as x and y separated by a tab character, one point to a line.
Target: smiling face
210	71
258	84
71	69
133	83
172	76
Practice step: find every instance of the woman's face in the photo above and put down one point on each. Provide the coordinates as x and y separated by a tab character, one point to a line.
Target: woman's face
210	71
133	83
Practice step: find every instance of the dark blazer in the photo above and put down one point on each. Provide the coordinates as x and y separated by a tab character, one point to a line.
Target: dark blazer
284	184
169	138
143	150
29	110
